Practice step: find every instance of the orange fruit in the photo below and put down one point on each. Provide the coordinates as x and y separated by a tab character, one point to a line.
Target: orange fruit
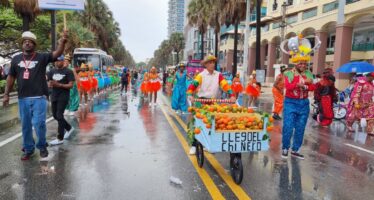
250	110
205	120
208	126
269	128
197	131
190	109
271	119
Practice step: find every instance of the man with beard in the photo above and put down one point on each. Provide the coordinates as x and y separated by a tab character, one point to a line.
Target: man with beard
298	83
29	69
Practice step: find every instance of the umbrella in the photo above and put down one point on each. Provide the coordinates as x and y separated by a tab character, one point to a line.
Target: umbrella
356	67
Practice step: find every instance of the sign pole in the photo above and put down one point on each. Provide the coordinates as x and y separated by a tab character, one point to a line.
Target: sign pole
53	31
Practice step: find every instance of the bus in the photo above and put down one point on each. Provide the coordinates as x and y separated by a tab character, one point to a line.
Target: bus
99	59
194	66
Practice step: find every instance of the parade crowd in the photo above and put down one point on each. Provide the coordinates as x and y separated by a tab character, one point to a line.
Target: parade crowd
69	87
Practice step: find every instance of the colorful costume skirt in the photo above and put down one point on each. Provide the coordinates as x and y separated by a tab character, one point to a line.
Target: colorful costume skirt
84	85
100	82
237	87
94	83
252	91
144	87
154	86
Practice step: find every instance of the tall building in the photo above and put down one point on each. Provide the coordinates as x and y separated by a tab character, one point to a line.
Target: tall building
176	16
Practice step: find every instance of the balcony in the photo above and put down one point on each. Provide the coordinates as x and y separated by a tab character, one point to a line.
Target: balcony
363	47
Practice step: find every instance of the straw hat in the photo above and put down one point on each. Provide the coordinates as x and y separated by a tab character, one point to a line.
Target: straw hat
208	58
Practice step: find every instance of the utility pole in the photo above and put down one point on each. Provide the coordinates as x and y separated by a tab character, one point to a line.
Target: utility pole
246	41
283	24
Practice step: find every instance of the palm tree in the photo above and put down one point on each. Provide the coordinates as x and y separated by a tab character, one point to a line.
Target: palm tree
177	43
27	10
198	15
234	11
214	21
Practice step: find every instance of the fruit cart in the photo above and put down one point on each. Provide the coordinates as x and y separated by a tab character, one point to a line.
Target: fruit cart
231	129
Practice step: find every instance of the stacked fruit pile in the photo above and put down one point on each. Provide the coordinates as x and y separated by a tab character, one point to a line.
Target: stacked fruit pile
230	118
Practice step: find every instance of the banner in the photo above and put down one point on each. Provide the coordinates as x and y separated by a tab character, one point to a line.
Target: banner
61	4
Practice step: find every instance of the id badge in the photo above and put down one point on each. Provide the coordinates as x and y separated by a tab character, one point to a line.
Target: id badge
26	75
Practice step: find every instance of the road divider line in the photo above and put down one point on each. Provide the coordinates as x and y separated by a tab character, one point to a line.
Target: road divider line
213	190
236	189
360	148
14	137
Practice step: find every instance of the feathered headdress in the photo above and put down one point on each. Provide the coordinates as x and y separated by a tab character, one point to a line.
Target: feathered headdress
300	48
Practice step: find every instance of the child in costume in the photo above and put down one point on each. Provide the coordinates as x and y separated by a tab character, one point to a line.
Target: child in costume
253	89
278	94
93	81
144	87
236	85
154	85
298	83
84	83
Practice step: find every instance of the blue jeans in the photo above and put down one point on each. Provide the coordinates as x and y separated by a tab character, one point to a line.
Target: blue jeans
295	117
33	114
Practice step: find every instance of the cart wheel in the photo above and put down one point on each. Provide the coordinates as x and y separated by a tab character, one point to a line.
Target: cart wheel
199	154
236	167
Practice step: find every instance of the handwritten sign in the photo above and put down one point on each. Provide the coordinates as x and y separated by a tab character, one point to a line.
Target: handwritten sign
61	4
242	142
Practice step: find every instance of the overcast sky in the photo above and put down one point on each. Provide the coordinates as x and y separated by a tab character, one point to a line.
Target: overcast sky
143	24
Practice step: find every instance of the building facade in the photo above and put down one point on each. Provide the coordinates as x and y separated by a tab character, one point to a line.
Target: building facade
176	16
349	37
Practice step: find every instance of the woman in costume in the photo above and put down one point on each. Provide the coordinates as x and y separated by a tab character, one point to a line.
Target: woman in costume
179	98
361	106
325	96
84	83
298	84
236	85
154	85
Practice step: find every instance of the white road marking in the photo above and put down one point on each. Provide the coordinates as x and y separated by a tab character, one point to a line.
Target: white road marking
14	137
359	148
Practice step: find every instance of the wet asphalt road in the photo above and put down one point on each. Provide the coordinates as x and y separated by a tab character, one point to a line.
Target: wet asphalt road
122	149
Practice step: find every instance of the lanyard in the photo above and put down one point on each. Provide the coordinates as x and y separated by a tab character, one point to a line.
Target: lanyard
27	63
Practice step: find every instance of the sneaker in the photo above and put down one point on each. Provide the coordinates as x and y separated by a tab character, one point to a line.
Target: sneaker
56	142
193	150
27	156
285	153
43	153
277	117
297	155
68	133
177	112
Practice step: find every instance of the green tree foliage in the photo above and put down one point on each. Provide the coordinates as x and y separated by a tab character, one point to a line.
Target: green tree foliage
177	44
94	27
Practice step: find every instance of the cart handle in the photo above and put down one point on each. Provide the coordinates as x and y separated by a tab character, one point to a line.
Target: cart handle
214	101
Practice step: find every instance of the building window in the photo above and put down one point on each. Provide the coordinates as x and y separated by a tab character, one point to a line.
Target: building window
291	19
276	25
265	28
330	44
351	1
330	6
309	13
